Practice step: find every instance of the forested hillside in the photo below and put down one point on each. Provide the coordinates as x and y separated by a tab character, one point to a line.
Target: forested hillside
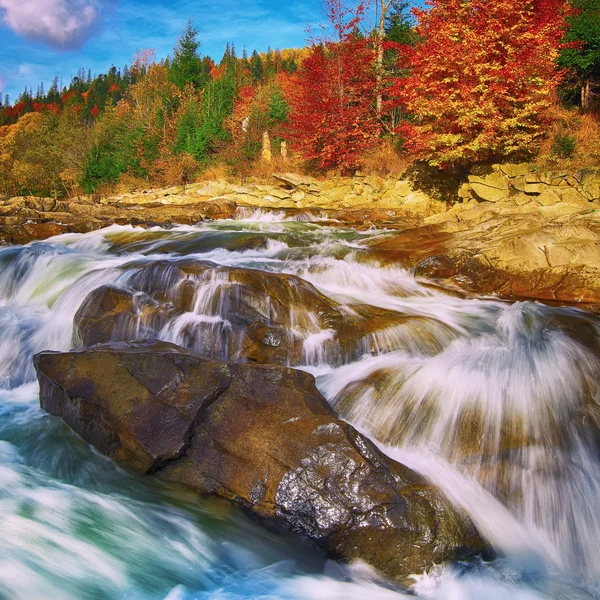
451	85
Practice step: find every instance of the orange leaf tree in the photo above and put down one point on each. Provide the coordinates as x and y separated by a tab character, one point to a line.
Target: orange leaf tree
333	118
481	78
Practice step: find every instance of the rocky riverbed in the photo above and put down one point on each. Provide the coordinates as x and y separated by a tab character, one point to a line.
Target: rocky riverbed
284	364
512	232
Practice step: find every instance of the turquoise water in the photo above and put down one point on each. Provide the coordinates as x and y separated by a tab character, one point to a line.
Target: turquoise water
73	525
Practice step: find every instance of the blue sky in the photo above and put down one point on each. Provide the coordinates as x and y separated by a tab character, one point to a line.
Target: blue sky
43	38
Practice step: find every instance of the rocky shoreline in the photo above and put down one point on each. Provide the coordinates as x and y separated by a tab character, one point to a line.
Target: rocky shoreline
512	232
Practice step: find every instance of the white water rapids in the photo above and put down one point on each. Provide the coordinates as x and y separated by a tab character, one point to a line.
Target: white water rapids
496	403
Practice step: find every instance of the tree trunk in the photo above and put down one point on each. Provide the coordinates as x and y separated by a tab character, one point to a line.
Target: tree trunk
585	95
266	153
384	6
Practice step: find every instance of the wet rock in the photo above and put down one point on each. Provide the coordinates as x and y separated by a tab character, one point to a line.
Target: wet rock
272	345
260	436
16	230
41	218
229	313
110	313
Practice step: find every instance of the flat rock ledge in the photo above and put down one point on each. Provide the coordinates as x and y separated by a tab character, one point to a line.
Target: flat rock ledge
261	436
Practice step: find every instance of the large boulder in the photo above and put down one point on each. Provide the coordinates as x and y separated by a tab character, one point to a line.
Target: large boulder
230	314
261	436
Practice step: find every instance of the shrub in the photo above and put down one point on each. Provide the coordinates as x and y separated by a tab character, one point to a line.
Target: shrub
564	145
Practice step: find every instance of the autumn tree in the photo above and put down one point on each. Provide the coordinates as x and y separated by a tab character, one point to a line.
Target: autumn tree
398	33
217	105
256	67
480	79
581	55
333	115
30	161
113	150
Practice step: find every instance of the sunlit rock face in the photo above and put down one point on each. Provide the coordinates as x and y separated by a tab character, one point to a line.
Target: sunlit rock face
219	428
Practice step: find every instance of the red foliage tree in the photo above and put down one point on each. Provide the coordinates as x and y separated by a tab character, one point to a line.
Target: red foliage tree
332	99
242	105
68	96
481	79
217	72
53	107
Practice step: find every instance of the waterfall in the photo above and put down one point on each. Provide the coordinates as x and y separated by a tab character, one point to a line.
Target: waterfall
495	402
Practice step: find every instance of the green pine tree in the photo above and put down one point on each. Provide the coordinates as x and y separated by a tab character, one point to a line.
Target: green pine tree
256	67
186	66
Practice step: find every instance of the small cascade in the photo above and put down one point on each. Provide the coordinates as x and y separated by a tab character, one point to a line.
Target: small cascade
514	406
496	403
248	214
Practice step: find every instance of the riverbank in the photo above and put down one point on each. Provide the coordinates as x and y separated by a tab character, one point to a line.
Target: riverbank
512	232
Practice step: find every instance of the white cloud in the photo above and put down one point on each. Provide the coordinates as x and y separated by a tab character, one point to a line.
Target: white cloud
59	23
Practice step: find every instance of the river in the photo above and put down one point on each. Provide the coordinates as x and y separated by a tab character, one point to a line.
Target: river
495	402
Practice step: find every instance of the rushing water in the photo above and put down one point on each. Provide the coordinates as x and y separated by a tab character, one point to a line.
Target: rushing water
496	403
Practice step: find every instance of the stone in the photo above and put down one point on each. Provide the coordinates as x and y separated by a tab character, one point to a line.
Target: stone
262	437
374	181
534	188
584	176
532	177
573	253
570	195
591	187
548	197
549	177
244	313
492	188
403	188
338	193
515	253
465	191
294	180
530	183
522	199
279	193
272	345
298	196
111	313
358	187
515	170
